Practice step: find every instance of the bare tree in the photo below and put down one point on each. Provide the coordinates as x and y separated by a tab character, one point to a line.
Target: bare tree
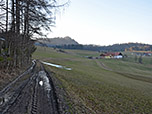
20	20
6	15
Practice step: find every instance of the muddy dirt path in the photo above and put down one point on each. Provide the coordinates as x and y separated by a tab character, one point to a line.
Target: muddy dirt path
30	93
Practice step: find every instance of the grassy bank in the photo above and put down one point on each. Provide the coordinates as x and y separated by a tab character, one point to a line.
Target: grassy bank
94	89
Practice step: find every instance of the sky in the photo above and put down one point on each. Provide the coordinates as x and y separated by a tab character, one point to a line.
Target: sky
105	22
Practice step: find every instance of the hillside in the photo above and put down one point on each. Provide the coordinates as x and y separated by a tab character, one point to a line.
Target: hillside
123	47
57	41
101	86
115	47
69	43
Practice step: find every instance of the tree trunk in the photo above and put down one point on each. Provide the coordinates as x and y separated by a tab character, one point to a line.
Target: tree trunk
6	15
13	17
26	18
17	16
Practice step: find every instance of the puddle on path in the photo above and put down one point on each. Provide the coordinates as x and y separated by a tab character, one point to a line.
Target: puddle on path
57	66
41	83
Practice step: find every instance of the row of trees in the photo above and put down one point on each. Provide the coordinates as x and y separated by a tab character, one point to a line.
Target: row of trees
110	48
21	20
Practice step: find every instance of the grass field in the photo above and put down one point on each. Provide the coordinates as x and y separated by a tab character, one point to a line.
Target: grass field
125	88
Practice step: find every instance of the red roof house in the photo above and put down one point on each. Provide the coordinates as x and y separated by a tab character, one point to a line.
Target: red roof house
116	55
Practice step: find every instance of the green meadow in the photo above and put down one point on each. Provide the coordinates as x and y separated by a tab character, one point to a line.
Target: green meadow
98	86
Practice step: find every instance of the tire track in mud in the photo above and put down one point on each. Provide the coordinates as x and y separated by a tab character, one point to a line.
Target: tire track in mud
35	95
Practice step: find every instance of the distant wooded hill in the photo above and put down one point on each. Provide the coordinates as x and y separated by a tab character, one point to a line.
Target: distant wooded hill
57	41
69	43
